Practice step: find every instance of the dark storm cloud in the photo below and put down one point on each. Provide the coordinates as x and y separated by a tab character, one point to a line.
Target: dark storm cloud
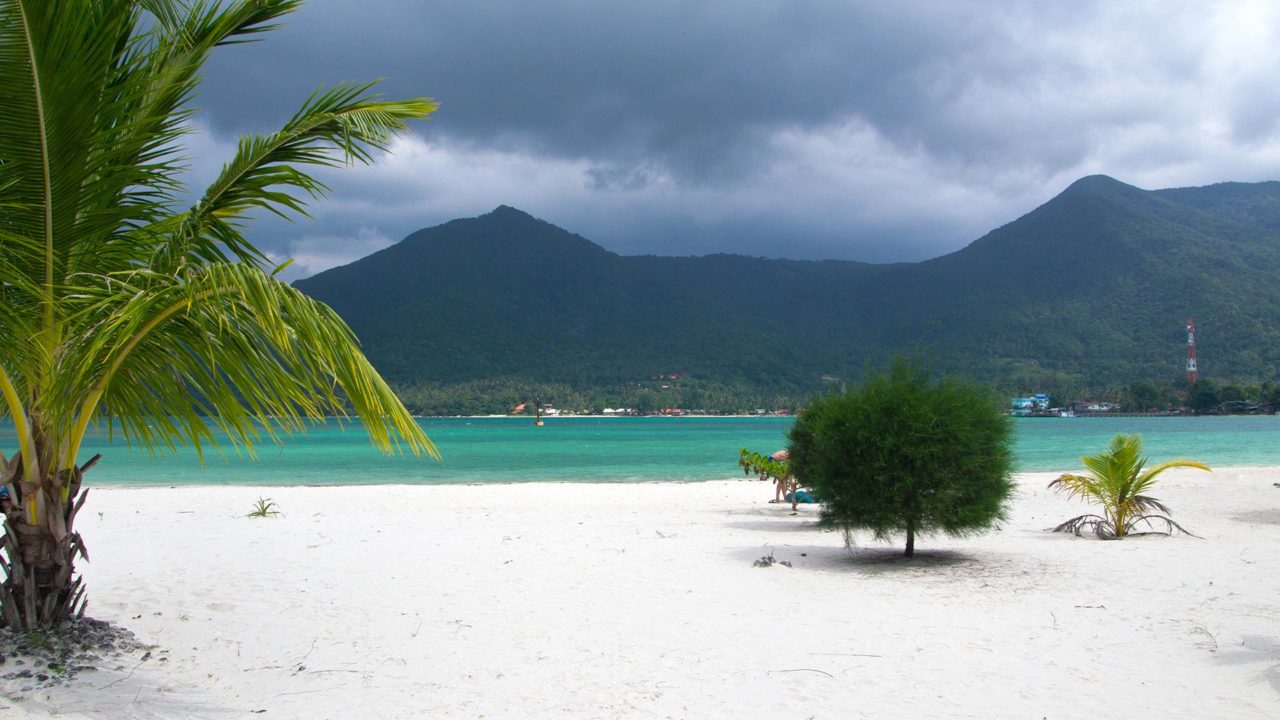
684	81
864	130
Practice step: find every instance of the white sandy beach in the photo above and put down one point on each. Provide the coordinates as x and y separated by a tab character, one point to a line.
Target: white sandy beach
620	601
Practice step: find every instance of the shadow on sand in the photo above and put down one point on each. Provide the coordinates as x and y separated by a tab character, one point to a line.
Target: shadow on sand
1254	649
861	560
782	525
779	518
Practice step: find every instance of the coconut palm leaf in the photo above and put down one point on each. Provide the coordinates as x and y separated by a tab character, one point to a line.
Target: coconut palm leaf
340	125
230	344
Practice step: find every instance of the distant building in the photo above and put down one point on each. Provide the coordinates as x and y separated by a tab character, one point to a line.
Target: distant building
1031	405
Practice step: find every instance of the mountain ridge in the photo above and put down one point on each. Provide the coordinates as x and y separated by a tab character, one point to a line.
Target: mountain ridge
1090	289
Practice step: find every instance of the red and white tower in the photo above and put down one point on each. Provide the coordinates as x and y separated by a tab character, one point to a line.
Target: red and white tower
1192	372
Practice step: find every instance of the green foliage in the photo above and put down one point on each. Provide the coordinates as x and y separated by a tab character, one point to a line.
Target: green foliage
768	466
497	396
1082	297
1117	480
1204	395
1144	396
901	454
763	466
264	508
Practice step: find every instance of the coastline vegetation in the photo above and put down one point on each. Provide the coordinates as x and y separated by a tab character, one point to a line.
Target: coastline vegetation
643	397
648	396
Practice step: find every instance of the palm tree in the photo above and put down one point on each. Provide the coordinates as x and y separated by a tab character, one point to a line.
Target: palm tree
1117	480
121	308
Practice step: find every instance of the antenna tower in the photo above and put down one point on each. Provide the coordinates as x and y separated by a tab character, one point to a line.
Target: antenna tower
1192	373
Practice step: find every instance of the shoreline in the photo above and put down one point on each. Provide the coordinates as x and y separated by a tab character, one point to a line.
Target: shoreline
1077	416
730	478
586	600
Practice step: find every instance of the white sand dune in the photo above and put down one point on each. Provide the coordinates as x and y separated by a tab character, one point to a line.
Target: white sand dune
619	601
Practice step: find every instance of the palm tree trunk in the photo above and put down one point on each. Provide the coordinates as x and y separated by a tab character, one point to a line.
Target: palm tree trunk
39	587
911	538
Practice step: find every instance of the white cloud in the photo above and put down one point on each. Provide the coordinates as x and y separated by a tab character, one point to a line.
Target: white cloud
313	253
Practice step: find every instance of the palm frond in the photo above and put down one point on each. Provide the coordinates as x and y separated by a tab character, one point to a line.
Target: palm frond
1148	478
232	346
1151	521
1098	525
80	171
1145	504
54	55
114	168
224	24
1084	487
341	125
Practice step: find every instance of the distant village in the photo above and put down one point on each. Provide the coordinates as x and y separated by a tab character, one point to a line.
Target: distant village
549	410
1200	397
1040	405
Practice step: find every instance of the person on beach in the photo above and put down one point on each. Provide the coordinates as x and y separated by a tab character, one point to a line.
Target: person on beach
779	484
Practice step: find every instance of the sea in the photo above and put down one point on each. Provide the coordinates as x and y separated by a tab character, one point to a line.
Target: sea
623	450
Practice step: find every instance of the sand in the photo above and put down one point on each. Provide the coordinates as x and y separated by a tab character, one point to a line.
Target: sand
620	601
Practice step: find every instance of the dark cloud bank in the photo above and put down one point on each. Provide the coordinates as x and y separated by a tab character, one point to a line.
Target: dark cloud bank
870	131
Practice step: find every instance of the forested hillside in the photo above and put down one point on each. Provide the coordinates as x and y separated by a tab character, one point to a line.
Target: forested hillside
1090	290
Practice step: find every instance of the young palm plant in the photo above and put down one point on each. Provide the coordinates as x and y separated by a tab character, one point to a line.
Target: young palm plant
118	306
1118	479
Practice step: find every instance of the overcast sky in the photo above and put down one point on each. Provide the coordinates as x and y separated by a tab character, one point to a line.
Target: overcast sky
878	131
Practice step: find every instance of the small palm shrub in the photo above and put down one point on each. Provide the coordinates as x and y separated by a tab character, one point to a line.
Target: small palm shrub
1117	480
264	508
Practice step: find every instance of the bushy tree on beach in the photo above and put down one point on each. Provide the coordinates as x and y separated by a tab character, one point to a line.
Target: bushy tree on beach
1117	480
902	454
121	308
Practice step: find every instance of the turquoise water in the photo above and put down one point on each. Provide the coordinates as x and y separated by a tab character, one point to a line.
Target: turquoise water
486	450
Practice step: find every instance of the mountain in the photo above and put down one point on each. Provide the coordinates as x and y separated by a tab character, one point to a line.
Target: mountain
1091	289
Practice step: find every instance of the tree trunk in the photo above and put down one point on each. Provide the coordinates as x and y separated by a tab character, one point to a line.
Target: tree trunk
911	538
39	587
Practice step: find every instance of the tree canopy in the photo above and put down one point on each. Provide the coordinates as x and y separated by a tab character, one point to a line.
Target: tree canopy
900	453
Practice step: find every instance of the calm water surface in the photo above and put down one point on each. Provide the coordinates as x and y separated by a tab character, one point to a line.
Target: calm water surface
485	450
